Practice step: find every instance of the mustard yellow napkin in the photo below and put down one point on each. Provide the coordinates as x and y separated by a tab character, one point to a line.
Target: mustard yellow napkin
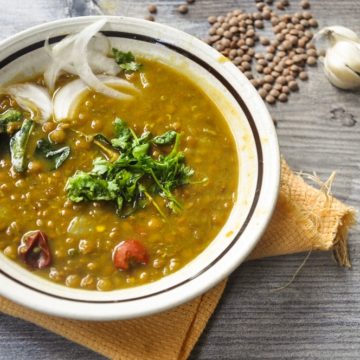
305	219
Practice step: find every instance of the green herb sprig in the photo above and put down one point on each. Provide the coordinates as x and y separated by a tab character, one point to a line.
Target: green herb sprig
126	60
10	121
135	176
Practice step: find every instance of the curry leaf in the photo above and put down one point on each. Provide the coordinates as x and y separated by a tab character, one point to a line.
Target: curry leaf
49	151
123	135
18	144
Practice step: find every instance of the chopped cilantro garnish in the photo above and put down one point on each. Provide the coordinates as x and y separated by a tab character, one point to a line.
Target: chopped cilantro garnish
134	176
126	60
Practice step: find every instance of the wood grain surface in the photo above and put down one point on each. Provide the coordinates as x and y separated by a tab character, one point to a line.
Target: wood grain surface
318	316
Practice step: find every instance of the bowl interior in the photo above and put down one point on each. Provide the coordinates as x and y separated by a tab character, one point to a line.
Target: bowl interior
24	56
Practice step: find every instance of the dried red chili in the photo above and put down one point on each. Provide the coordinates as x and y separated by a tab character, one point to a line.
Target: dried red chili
129	251
34	249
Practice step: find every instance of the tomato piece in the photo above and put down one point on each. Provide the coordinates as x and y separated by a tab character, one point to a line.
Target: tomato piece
129	251
34	249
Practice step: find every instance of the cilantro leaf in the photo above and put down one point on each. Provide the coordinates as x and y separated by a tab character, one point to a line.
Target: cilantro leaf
140	151
126	60
84	186
165	139
123	135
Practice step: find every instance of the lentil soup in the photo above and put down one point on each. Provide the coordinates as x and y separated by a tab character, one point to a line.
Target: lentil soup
103	244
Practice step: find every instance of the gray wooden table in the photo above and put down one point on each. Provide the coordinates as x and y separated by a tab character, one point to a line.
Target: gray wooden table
318	316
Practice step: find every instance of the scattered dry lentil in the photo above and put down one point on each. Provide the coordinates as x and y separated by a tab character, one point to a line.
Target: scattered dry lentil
212	20
259	24
313	23
264	41
273	73
262	93
293	85
152	9
183	9
305	4
275	93
303	76
267	86
149	18
270	99
311	60
282	4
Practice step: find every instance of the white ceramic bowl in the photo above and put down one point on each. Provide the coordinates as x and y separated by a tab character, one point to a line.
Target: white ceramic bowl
258	152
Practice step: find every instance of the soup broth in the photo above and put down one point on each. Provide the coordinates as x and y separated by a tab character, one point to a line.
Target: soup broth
82	235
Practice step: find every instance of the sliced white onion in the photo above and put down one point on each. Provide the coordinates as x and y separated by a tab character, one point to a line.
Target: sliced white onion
144	81
100	43
84	54
61	54
60	60
68	97
101	64
97	50
33	98
82	67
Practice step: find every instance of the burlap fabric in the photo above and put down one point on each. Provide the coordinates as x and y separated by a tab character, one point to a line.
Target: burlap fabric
305	219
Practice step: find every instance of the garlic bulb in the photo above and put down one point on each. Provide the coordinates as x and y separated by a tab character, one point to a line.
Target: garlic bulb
342	58
337	32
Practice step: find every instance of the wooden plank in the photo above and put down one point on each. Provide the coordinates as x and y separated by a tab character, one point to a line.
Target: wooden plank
317	317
